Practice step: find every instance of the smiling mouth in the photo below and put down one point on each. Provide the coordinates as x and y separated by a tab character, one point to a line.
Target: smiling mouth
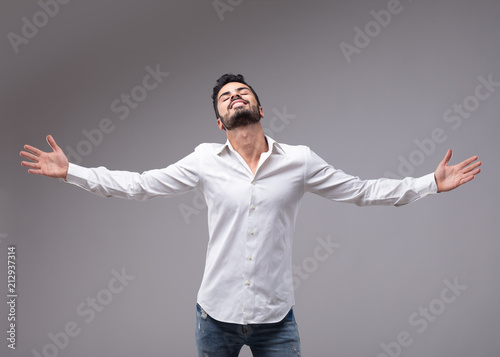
238	103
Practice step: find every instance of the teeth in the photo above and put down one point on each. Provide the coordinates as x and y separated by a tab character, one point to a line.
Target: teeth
238	104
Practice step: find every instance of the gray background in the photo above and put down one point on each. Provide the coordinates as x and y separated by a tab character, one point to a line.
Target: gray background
362	117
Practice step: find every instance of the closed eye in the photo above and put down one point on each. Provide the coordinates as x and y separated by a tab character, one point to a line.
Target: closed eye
241	90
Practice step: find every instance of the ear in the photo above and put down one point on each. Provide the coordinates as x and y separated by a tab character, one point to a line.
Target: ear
220	125
261	112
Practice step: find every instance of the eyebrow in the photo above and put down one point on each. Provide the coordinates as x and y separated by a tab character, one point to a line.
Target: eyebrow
237	89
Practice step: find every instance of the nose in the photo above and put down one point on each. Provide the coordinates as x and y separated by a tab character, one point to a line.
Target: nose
235	95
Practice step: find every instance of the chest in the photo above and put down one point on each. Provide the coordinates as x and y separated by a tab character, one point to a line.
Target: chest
230	183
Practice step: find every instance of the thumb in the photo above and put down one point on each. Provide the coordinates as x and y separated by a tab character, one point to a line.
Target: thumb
447	157
52	143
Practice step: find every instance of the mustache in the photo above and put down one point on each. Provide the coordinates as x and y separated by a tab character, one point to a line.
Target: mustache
231	104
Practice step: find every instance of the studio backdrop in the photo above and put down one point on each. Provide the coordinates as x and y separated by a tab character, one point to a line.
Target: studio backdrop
376	88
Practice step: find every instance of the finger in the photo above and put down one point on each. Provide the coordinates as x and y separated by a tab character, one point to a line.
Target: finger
472	166
35	172
33	165
475	172
33	149
469	176
466	179
29	156
468	161
52	142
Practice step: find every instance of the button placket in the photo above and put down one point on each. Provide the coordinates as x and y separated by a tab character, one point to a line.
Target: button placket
250	244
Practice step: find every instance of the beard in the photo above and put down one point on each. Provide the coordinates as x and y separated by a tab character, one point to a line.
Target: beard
241	117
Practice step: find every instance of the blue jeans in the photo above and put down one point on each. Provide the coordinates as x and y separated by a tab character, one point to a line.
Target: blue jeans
220	339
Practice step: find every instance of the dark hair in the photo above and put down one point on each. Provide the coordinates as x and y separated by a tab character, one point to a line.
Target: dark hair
225	79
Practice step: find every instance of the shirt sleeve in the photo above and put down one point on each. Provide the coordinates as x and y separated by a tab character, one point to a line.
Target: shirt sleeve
326	181
178	178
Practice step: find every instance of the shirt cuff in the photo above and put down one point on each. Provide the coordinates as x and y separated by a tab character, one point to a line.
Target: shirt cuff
426	185
76	175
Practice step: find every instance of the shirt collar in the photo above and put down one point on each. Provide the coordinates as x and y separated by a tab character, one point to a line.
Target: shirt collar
272	144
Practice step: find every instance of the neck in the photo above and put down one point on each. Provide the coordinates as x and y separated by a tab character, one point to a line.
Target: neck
249	141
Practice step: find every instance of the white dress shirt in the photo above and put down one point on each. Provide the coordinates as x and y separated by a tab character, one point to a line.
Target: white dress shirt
251	218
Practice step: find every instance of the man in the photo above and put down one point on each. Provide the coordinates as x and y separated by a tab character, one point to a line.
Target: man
252	186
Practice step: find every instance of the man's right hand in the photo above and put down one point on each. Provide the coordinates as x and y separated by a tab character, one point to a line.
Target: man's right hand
50	164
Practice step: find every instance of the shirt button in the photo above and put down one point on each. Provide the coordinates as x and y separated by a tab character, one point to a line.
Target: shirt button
247	283
251	232
253	208
253	182
250	258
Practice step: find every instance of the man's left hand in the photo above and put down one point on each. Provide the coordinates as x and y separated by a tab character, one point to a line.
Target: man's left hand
450	177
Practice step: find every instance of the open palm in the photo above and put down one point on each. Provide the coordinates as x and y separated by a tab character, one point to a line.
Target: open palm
451	177
51	164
